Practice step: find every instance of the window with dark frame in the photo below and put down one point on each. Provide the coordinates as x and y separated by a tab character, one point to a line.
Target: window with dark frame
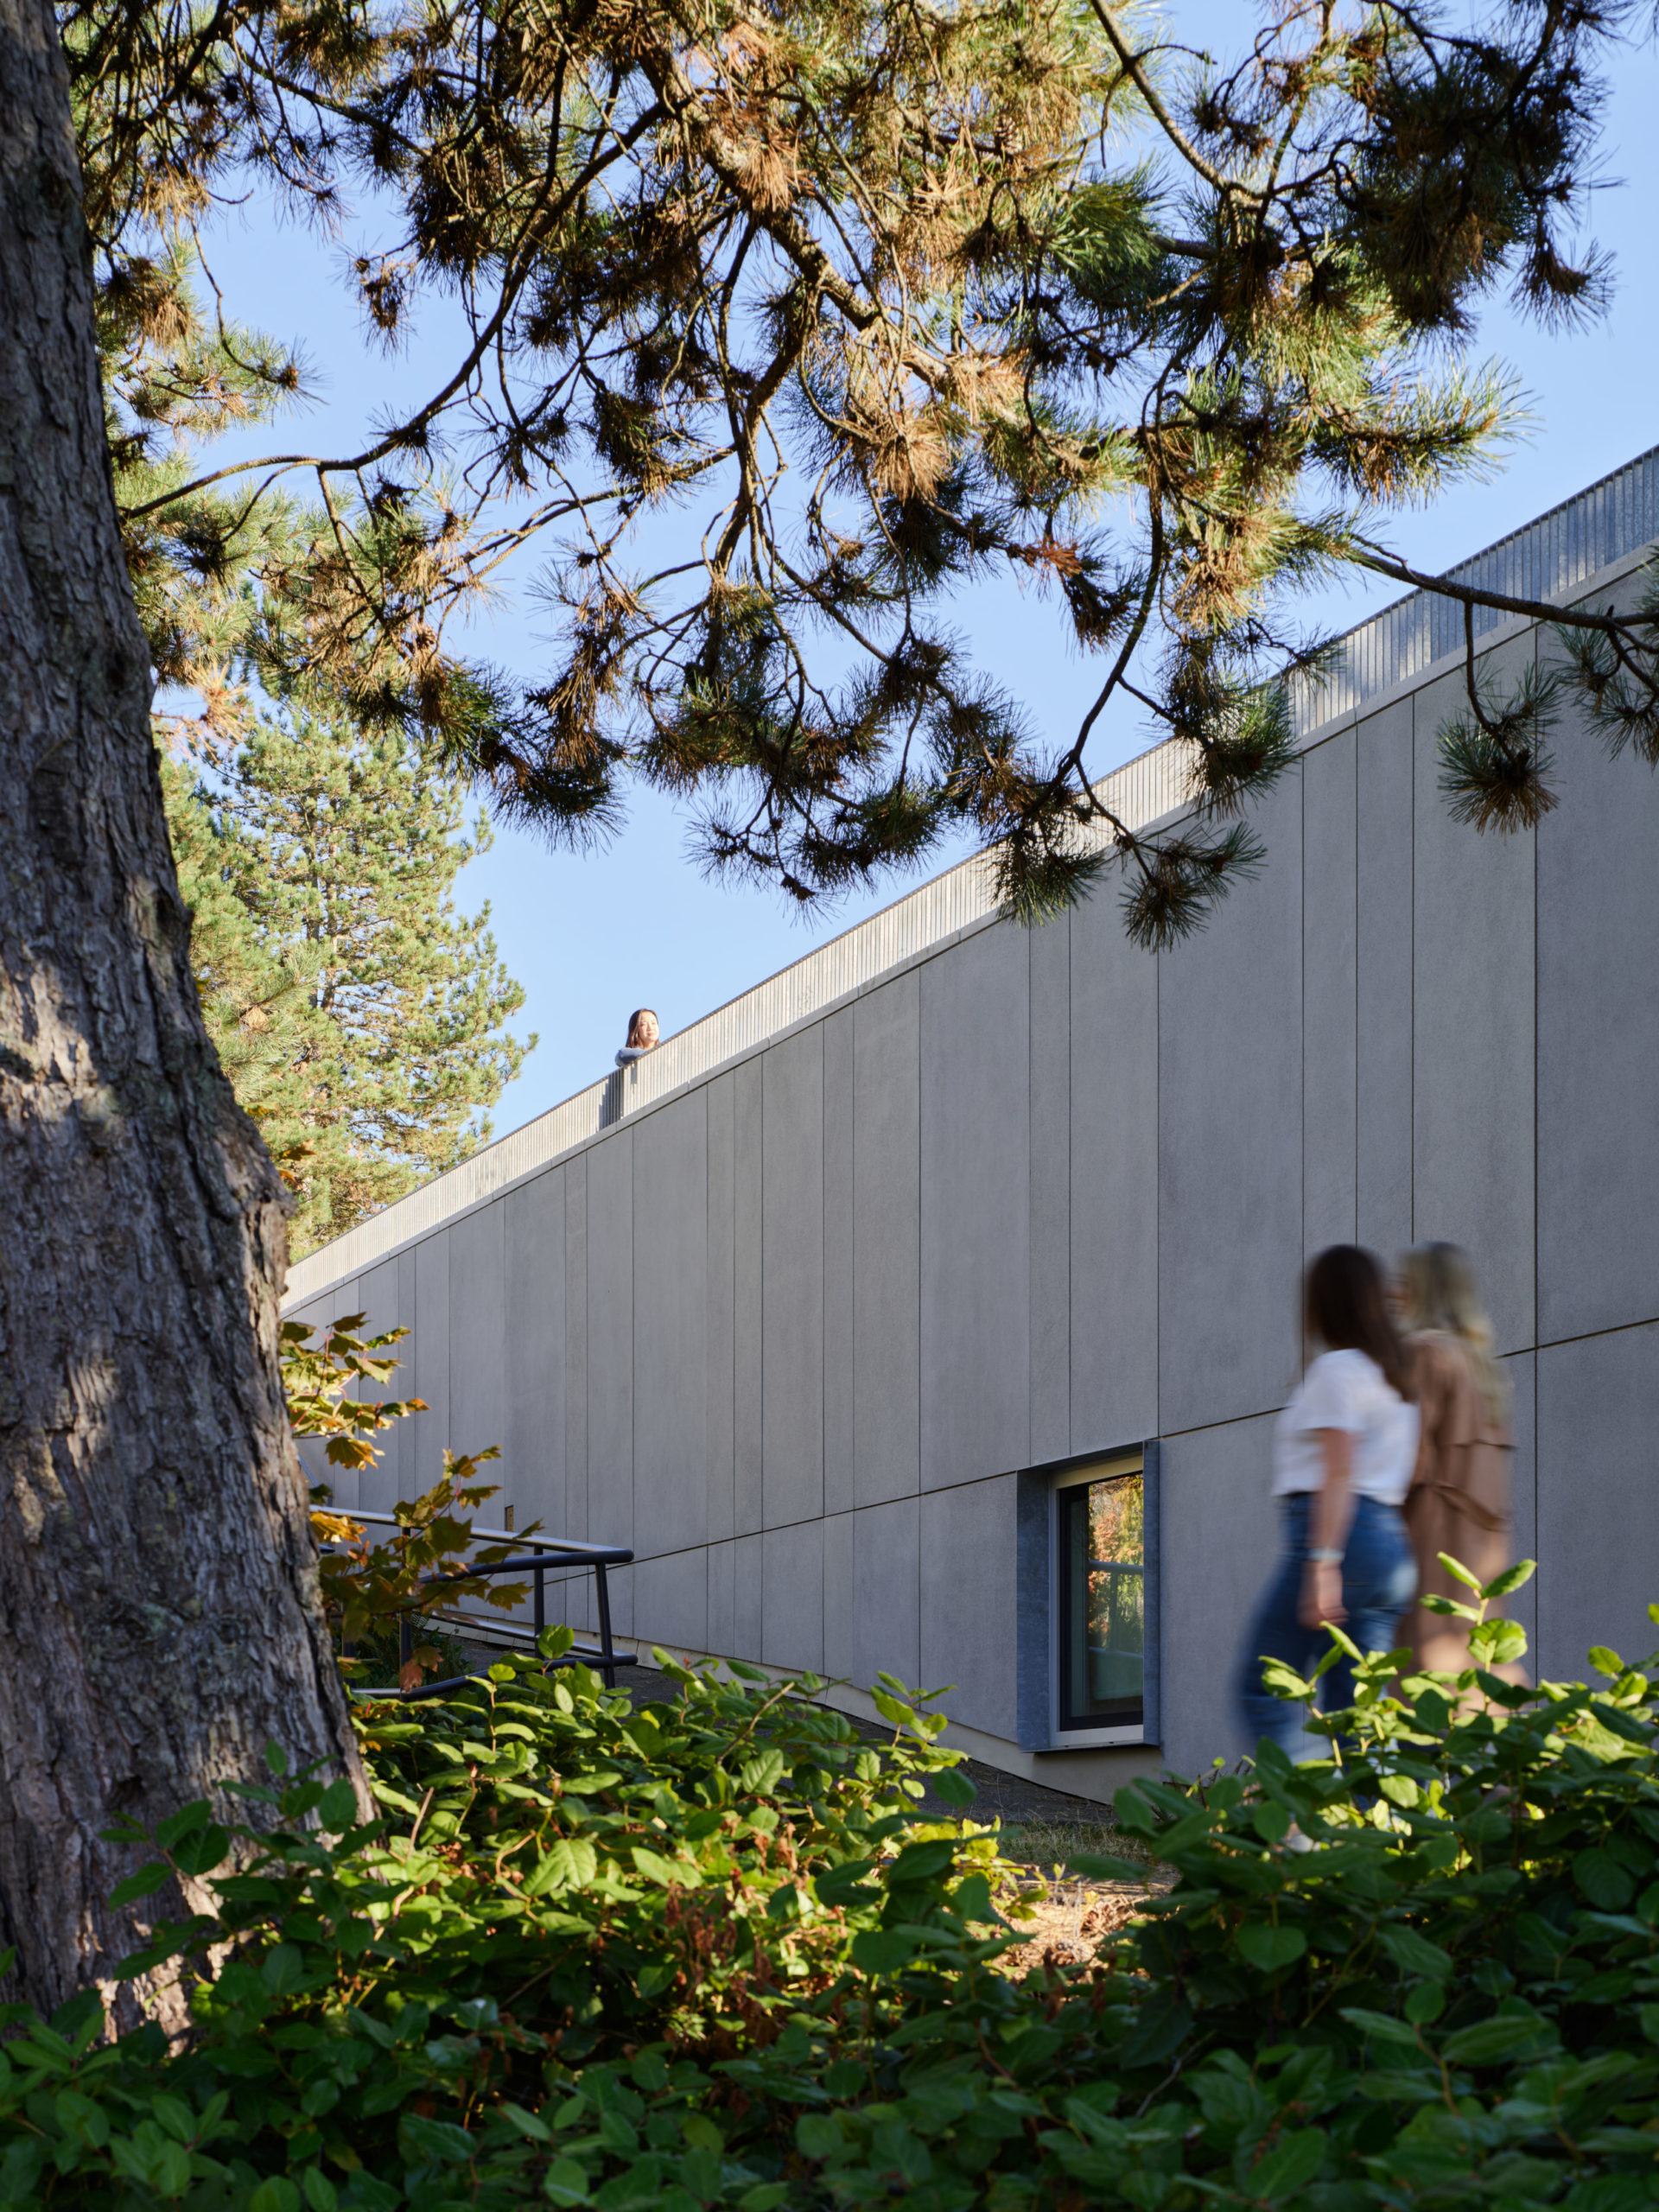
1103	1603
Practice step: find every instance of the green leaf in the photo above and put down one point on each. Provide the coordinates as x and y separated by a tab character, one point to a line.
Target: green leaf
1412	1953
320	2192
143	1883
894	1710
922	1862
953	1785
1606	1661
181	1823
669	1873
1294	2161
764	2196
275	2194
569	1862
760	1776
566	2183
283	1968
972	1899
817	2135
337	1810
203	1850
1496	1643
425	2142
1513	1578
838	1885
1489	2041
1424	2002
882	1951
527	2123
1606	1884
1268	1948
1382	2025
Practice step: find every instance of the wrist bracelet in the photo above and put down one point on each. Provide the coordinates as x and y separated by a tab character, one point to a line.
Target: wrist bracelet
1322	1555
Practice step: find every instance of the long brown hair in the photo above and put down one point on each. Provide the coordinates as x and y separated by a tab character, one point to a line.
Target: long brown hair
1344	1305
634	1020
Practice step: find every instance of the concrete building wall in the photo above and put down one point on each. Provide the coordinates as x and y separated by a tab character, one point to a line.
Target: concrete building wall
795	1329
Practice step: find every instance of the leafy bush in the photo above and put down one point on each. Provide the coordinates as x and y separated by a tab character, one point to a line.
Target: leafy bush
373	1588
702	1956
561	1881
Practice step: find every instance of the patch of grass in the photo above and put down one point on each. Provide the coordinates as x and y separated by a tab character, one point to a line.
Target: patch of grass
1045	1845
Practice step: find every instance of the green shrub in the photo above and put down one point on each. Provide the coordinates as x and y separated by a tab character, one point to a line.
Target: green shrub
561	1881
704	1955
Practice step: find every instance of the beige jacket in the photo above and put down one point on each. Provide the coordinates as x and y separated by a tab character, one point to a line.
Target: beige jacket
1459	1502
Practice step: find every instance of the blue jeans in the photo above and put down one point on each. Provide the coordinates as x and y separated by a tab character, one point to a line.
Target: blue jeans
1379	1574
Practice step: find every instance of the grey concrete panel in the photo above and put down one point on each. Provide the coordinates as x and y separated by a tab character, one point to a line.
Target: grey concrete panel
1219	1537
748	1453
1523	1488
610	1341
1597	1479
839	1300
1114	1241
791	1597
670	1601
534	1266
722	1600
886	1592
1050	1417
747	1577
887	1240
1597	1040
575	1349
1329	919
969	1590
975	1348
1383	1049
1473	1027
1230	1162
400	1440
841	1654
670	1343
621	1584
431	1360
720	1292
478	1392
793	1316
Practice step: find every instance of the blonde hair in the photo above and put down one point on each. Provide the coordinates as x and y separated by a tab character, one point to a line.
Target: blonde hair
1441	1291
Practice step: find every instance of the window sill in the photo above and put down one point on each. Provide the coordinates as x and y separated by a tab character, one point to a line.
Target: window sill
1095	1739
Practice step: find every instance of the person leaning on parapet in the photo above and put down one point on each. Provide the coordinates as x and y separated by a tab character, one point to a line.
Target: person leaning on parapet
1458	1502
642	1037
1343	1450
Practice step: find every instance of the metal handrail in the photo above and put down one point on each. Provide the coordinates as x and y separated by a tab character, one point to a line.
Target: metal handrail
544	1552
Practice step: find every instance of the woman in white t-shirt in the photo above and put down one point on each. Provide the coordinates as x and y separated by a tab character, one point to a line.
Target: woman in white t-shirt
1343	1453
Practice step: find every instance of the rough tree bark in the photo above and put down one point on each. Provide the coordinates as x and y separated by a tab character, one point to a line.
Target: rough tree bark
159	1614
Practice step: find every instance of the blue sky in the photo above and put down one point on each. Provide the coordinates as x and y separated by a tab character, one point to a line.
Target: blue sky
592	937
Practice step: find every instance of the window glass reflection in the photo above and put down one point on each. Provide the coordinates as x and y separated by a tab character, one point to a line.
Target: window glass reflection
1102	1579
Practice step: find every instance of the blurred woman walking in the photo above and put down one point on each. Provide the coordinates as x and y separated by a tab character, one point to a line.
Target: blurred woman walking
1459	1502
1343	1450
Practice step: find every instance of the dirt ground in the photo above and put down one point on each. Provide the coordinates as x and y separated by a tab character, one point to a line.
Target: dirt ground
1070	1920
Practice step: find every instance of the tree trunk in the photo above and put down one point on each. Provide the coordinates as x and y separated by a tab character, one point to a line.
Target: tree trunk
159	1614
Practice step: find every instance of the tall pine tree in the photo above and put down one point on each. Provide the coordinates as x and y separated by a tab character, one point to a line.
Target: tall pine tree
360	1016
